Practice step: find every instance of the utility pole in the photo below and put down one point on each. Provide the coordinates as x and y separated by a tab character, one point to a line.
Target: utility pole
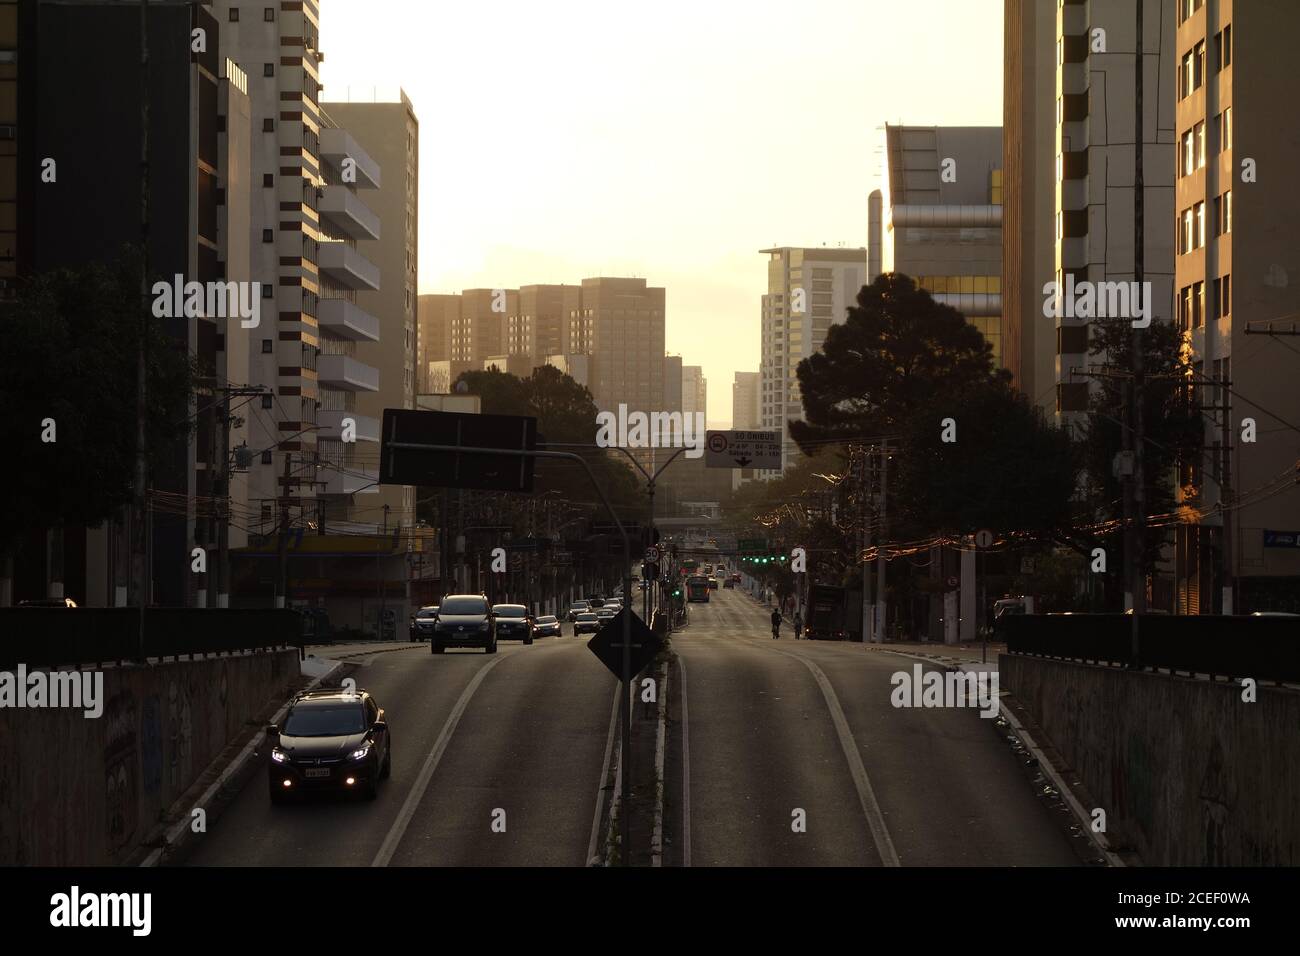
864	541
282	572
1138	566
137	524
880	554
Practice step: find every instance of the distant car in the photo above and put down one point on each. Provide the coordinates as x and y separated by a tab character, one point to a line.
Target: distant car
595	602
728	583
576	608
514	623
1273	614
586	623
423	623
464	620
548	626
330	740
713	584
49	602
605	613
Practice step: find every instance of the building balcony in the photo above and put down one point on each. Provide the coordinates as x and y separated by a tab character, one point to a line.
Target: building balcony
347	266
350	481
337	145
330	425
343	371
347	320
340	207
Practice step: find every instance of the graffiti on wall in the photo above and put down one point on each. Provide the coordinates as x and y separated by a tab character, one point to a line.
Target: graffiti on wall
120	771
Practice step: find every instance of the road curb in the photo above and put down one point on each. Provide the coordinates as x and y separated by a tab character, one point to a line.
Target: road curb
179	834
657	835
1080	813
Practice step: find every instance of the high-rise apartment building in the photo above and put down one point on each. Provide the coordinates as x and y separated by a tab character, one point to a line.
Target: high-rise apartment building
1094	163
1029	120
695	390
478	333
745	392
435	314
390	134
942	218
673	377
1233	70
808	291
622	322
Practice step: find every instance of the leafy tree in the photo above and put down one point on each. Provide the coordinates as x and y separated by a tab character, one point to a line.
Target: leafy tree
897	349
70	351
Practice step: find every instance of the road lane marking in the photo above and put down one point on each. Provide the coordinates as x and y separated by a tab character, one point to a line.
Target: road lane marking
866	793
604	775
416	794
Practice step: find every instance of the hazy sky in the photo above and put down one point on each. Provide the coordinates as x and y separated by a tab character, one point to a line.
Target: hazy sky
668	140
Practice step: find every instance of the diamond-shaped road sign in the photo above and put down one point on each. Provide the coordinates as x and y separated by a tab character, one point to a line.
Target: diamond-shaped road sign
607	644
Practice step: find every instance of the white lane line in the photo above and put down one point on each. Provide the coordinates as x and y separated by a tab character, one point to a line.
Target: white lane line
686	768
866	794
416	793
592	858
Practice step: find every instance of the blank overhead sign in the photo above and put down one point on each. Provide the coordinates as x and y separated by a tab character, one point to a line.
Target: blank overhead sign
740	449
457	469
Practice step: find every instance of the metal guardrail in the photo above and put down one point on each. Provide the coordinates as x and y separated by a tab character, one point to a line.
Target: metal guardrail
55	637
1234	646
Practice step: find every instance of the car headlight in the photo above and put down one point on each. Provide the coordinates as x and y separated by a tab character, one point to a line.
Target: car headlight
362	752
279	756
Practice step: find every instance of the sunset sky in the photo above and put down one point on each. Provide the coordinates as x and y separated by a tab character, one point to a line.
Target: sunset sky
668	140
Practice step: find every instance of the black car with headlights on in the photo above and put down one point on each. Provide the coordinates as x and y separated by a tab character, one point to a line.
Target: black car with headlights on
586	623
548	626
464	620
514	623
330	740
423	622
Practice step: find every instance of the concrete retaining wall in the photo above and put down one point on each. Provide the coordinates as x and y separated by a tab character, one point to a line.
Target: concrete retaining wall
1188	773
81	791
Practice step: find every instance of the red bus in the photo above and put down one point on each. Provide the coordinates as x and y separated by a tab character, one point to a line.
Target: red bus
697	588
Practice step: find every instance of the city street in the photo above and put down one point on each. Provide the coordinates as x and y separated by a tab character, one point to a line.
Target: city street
772	728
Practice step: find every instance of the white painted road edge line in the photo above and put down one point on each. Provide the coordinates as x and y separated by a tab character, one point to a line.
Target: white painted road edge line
616	796
416	794
657	836
686	768
593	859
866	794
1082	817
172	836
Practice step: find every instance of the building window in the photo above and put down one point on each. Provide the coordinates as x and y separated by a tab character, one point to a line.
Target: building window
1200	144
1200	225
268	179
267	290
234	14
268	69
267	346
1227	212
1198	305
1223	48
1184	308
268	125
268	235
266	460
1185	233
267	401
1225	131
268	14
1223	296
1189	153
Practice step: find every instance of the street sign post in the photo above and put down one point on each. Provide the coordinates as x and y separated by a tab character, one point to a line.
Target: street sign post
608	644
742	449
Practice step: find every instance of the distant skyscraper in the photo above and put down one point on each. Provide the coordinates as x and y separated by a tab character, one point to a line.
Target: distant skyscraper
479	331
694	390
745	413
942	218
808	291
435	313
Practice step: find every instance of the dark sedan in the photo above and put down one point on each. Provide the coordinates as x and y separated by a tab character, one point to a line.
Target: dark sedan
330	740
514	623
423	623
586	623
464	620
548	626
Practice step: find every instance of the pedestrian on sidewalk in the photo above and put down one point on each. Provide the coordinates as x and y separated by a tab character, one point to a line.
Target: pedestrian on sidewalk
776	624
798	624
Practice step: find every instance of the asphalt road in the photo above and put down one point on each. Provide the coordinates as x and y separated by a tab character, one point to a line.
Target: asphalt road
790	754
767	735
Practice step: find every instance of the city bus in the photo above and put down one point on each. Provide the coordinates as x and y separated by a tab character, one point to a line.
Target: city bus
697	588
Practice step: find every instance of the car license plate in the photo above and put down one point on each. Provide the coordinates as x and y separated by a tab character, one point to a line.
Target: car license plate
316	772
